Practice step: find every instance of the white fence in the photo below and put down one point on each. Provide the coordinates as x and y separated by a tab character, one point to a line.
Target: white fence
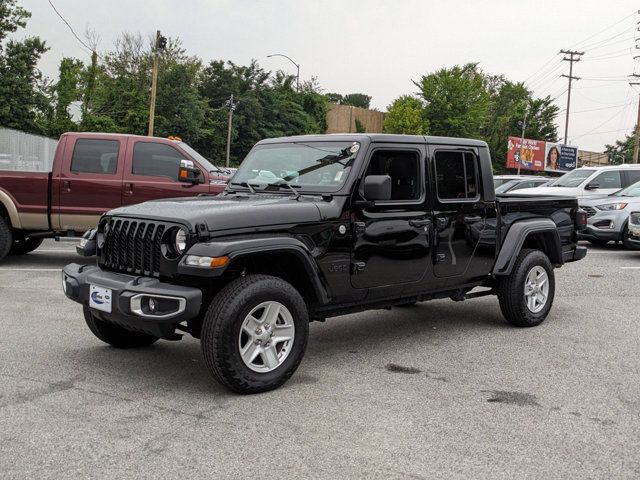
26	152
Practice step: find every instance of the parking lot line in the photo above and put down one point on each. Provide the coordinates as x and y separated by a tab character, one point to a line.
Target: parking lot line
629	268
31	269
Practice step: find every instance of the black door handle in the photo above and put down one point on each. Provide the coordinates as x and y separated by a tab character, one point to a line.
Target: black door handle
420	222
471	219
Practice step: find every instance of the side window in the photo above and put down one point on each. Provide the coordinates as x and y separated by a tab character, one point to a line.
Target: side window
95	156
404	169
456	175
156	160
634	176
608	179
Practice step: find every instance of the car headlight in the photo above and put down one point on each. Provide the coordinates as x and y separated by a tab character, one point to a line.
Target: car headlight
611	206
180	240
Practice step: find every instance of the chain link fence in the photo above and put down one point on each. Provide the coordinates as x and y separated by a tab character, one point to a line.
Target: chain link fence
26	152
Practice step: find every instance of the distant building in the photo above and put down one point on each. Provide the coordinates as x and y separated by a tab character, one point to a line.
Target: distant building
592	159
342	119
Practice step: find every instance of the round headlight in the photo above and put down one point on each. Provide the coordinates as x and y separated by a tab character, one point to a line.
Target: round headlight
180	240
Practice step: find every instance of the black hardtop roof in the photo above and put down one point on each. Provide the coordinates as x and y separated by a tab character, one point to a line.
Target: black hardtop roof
377	138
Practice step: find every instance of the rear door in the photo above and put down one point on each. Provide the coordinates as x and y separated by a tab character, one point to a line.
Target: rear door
90	181
151	172
460	213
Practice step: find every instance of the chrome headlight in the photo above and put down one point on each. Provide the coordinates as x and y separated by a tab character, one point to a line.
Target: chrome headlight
180	241
611	206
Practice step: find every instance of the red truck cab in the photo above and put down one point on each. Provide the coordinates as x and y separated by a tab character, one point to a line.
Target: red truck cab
91	174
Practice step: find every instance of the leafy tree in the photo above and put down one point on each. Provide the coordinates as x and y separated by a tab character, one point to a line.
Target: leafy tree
457	101
22	98
356	100
406	116
64	92
333	97
621	151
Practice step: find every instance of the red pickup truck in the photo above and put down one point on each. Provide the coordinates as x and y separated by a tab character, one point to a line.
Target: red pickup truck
93	173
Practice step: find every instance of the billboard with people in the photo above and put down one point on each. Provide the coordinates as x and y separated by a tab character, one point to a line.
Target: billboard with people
539	155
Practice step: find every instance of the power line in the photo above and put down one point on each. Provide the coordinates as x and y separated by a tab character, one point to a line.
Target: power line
574	56
604	30
618	112
70	27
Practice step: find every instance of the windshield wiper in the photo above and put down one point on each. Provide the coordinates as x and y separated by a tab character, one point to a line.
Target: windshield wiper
245	184
283	183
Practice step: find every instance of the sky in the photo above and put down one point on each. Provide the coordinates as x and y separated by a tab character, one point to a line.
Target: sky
378	47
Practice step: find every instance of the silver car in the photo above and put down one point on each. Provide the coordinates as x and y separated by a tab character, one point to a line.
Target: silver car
634	229
608	216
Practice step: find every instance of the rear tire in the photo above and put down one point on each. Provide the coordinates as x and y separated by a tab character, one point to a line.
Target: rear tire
525	301
22	246
115	335
242	341
6	238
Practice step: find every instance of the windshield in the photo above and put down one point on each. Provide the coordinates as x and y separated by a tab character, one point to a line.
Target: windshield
501	181
630	191
204	163
572	179
505	186
322	166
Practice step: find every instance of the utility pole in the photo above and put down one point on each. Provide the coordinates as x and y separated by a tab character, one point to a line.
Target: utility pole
524	125
573	56
160	43
232	107
636	144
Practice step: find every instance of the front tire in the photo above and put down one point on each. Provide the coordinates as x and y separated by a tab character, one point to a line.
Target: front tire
115	335
6	238
625	240
255	333
526	295
22	246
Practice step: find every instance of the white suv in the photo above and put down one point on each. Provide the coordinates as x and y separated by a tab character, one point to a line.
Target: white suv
589	181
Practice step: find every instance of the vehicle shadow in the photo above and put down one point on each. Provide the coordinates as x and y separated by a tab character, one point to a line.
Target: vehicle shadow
45	260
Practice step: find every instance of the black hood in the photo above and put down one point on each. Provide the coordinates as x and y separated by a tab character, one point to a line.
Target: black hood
229	211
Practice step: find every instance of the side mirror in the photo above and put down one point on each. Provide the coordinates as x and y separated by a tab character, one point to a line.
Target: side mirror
188	172
377	187
592	186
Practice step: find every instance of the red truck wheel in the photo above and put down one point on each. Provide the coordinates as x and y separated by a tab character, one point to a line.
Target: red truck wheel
23	246
6	238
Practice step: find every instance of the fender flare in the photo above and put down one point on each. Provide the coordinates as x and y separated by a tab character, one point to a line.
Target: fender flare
237	248
10	206
516	237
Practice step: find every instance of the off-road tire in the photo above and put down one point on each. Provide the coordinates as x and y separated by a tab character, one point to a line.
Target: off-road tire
22	246
597	241
6	238
511	290
221	330
625	240
115	335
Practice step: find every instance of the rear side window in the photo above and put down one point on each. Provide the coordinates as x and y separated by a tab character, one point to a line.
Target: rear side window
634	176
456	175
95	156
608	179
156	160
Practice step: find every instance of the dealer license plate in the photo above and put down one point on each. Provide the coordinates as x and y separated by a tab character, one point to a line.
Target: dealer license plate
100	298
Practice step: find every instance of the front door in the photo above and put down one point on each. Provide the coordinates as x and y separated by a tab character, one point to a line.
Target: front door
459	215
392	238
151	172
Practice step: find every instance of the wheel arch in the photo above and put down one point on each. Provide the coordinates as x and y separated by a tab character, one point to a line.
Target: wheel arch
538	234
8	210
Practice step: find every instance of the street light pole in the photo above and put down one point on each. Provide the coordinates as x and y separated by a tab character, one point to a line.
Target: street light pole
524	126
296	64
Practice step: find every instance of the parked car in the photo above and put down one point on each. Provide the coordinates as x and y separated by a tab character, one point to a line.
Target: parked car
590	181
633	232
608	216
499	180
521	184
312	227
93	173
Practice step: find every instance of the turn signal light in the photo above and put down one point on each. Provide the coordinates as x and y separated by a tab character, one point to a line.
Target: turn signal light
212	262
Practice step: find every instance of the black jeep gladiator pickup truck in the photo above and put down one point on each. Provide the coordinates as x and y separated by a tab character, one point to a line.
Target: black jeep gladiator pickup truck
312	227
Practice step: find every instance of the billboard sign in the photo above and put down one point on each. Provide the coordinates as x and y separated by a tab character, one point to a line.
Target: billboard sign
560	158
532	154
538	155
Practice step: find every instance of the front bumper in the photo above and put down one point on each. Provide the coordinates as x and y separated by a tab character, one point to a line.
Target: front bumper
127	292
605	225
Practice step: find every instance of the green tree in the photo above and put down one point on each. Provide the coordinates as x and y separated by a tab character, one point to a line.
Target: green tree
406	116
63	93
621	151
356	100
22	86
457	101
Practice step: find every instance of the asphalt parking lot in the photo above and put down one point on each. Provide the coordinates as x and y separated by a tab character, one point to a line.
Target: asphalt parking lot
439	390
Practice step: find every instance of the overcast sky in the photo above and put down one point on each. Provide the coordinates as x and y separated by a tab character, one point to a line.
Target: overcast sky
378	47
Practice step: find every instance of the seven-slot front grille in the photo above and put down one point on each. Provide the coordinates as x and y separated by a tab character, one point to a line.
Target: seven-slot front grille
133	246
